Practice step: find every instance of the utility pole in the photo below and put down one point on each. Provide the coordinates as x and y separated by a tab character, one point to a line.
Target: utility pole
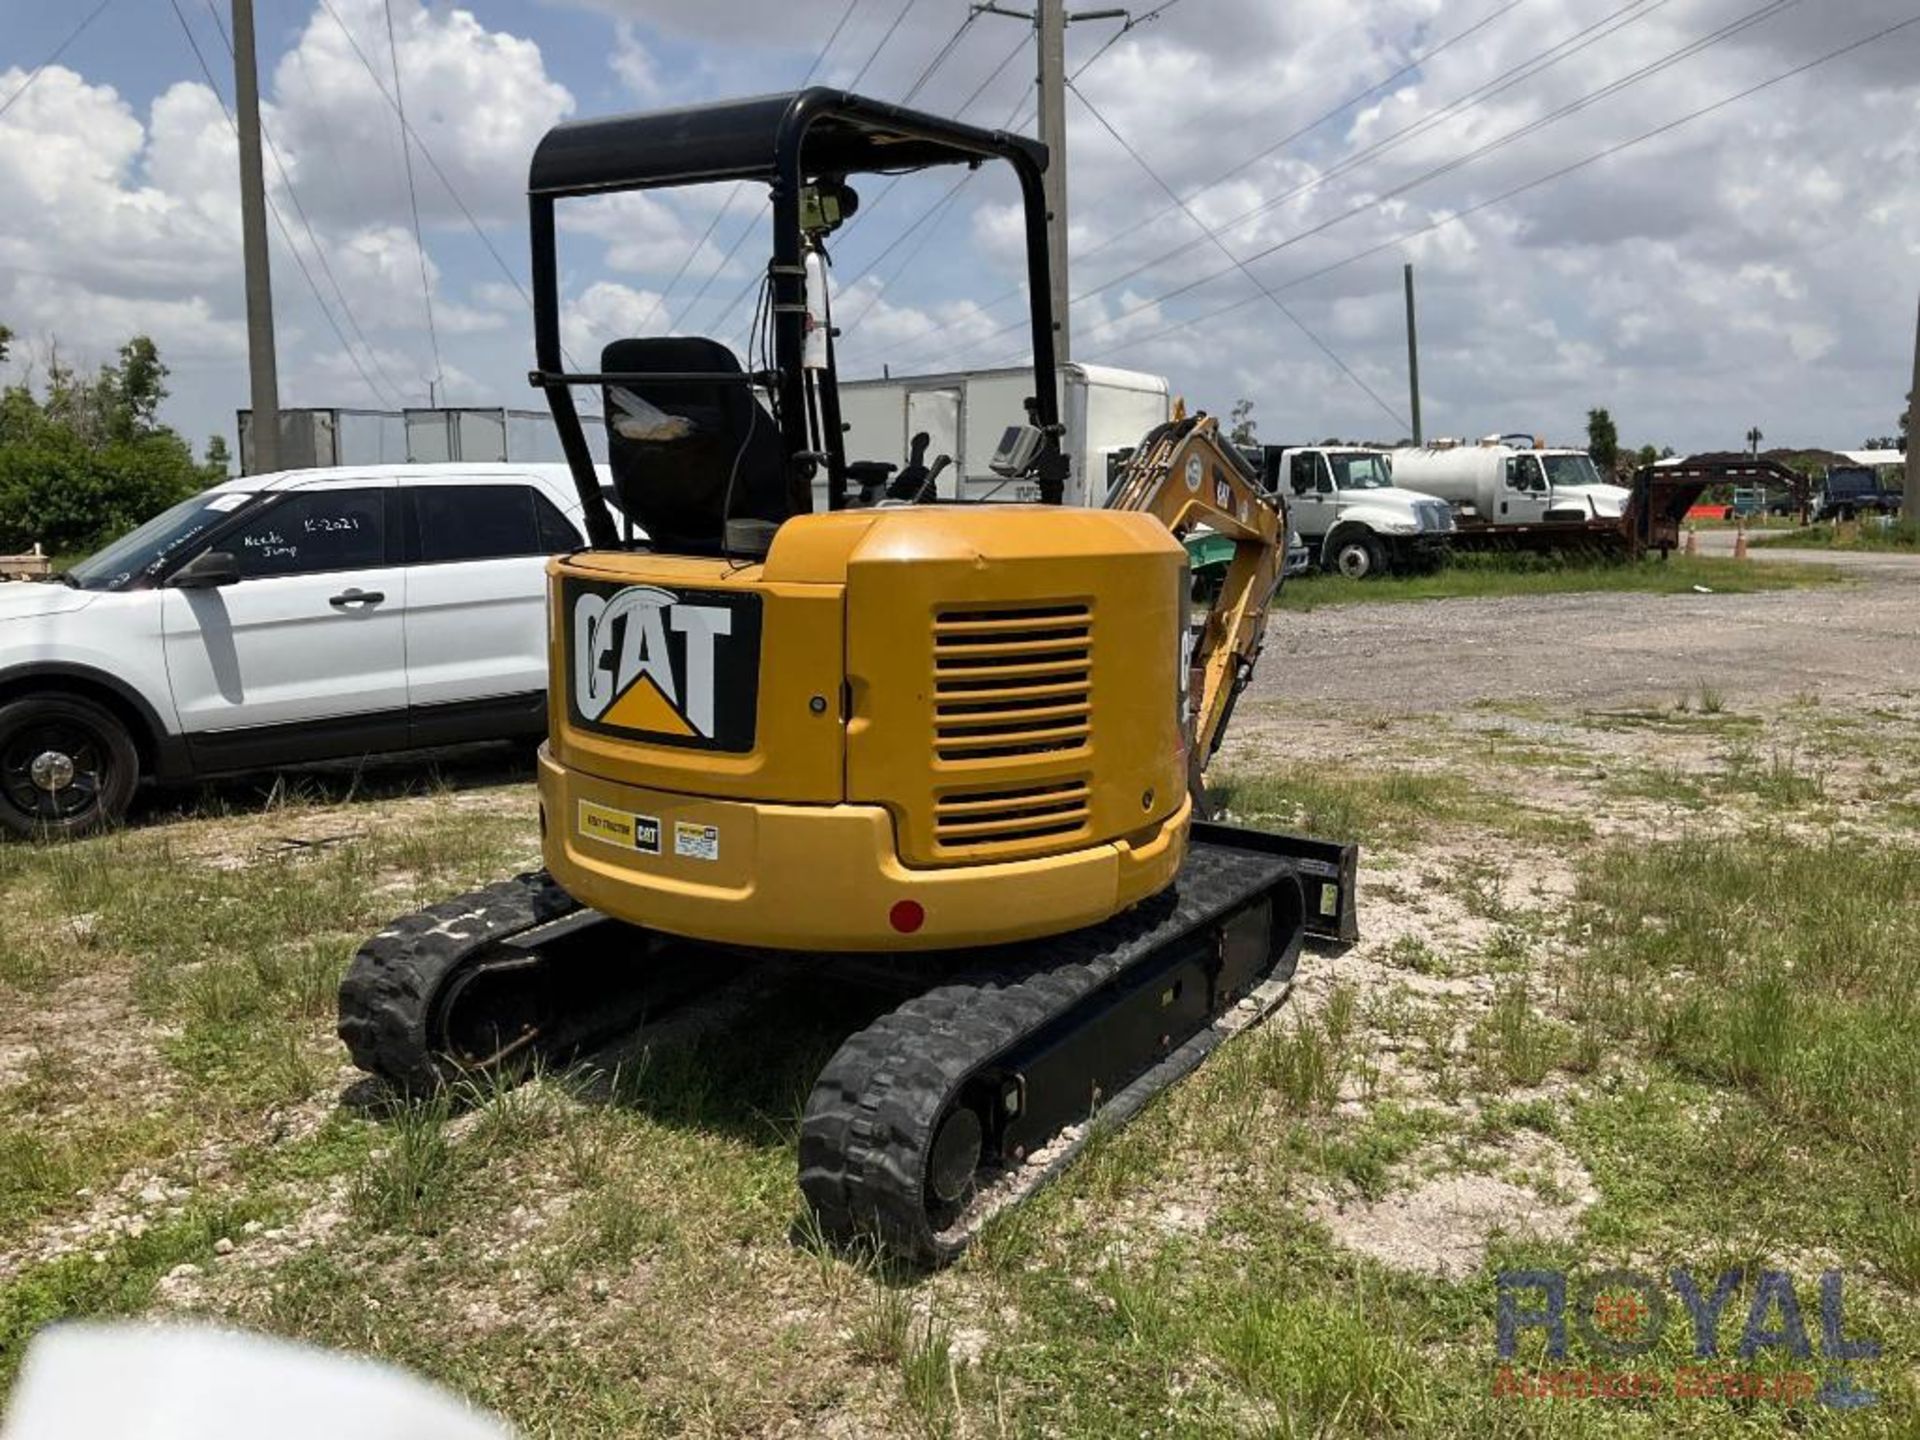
253	245
1413	361
1911	490
1050	23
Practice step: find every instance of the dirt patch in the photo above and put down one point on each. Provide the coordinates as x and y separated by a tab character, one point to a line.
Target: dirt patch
86	1025
1441	1226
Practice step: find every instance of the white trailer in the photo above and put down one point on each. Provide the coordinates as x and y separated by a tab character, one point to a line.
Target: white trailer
965	414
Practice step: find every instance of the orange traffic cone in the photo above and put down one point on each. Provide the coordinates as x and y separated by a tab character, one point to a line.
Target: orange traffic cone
1740	543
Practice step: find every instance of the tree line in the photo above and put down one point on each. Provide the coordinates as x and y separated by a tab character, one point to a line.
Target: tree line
84	457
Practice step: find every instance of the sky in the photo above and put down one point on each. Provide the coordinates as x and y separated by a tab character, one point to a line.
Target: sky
1589	225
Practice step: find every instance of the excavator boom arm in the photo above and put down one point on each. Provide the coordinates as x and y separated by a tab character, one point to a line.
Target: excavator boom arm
1185	474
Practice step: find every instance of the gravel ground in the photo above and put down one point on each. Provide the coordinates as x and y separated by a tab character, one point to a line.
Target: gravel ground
1855	640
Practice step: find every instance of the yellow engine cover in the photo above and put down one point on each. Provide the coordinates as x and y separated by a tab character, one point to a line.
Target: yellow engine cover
907	728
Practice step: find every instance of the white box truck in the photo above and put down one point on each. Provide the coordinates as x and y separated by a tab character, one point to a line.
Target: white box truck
964	415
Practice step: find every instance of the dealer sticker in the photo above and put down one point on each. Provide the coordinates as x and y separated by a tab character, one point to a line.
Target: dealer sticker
696	842
620	827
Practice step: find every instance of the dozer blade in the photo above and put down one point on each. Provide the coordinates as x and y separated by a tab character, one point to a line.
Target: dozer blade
966	1099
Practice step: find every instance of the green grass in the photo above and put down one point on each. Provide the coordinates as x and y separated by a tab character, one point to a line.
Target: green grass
1784	974
1903	537
1482	576
1382	807
1722	1032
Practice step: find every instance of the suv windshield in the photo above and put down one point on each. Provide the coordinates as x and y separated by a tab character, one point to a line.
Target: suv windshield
138	552
1571	470
1359	471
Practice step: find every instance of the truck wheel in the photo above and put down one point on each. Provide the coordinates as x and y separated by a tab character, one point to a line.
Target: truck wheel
1359	556
67	767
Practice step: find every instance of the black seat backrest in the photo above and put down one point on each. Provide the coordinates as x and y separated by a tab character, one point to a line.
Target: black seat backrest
675	447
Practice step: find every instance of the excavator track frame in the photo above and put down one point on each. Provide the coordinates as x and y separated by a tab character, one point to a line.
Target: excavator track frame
1077	1031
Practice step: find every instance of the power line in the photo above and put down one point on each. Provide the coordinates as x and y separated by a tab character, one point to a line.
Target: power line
720	317
1413	64
58	50
946	200
940	57
861	73
940	205
1221	245
1416	62
1459	106
1133	22
720	213
413	200
1019	46
426	154
1764	12
395	396
1527	69
887	189
1534	184
873	203
1607	91
286	235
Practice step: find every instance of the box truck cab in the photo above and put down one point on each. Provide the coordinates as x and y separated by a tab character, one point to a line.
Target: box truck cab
1499	482
1345	506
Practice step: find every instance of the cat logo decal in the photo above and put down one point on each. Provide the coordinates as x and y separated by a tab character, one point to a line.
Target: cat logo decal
675	667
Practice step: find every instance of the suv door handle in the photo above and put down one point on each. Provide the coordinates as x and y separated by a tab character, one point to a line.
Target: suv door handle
356	597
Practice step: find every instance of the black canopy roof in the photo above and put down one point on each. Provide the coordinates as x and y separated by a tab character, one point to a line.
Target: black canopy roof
838	133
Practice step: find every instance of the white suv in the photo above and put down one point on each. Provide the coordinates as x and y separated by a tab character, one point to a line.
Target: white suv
273	619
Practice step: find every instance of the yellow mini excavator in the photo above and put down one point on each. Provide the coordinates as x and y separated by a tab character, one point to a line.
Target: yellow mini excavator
961	741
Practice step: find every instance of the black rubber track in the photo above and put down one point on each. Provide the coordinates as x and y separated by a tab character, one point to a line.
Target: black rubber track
388	998
870	1121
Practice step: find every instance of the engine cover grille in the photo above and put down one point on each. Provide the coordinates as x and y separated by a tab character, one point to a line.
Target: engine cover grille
968	819
1012	683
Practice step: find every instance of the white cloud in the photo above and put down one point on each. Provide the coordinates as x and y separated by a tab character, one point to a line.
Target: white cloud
479	100
606	311
1744	268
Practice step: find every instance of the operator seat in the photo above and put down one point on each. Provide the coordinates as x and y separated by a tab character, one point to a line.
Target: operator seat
688	457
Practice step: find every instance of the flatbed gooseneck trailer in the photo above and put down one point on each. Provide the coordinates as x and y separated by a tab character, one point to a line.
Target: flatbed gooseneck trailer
960	745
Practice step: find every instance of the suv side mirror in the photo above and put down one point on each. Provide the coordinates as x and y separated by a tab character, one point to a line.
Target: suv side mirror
209	570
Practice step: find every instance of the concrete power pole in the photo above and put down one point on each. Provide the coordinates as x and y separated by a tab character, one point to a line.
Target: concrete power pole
1912	487
1052	22
253	244
1413	361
